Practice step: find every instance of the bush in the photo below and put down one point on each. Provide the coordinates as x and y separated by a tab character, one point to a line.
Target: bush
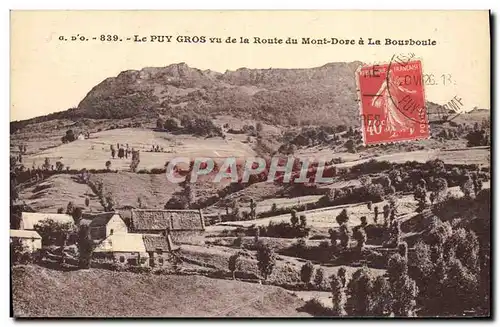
306	272
319	278
315	307
283	229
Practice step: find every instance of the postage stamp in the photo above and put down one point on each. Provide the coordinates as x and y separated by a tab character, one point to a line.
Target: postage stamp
392	102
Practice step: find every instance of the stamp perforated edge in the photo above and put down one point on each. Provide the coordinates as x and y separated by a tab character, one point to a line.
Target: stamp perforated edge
360	105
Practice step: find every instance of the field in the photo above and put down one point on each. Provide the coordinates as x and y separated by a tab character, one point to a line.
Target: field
37	292
325	217
93	153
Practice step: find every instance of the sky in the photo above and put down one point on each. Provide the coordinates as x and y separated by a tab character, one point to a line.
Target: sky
49	75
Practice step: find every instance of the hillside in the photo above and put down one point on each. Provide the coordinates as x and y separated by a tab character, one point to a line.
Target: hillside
36	292
326	93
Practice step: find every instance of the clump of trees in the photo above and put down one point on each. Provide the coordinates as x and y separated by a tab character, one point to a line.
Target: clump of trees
449	264
69	137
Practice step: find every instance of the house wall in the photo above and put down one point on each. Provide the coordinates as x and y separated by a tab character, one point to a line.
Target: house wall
124	258
162	260
117	225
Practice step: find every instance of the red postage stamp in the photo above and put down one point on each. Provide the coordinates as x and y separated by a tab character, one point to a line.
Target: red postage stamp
392	102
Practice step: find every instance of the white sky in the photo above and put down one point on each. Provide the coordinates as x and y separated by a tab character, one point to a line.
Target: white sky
48	75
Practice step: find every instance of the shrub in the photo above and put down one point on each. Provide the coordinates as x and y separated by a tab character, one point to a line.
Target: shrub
306	272
342	217
345	236
315	307
319	277
266	260
233	263
360	237
338	296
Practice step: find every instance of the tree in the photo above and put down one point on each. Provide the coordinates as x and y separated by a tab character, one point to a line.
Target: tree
467	187
87	201
334	235
303	221
403	249
108	165
342	217
306	272
369	205
294	220
404	289
69	208
53	232
108	202
420	196
440	189
338	296
350	146
46	164
60	210
478	184
19	253
345	236
360	237
86	246
359	289
387	211
135	160
59	166
364	223
159	123
342	276
274	207
233	260
171	124
266	260
77	215
70	135
319	277
375	212
382	297
253	206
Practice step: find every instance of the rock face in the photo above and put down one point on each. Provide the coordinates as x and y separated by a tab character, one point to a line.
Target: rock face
325	94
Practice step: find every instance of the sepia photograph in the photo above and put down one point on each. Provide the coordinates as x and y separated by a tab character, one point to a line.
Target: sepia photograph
212	164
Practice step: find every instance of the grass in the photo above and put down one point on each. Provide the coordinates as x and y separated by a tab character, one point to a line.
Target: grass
40	292
94	152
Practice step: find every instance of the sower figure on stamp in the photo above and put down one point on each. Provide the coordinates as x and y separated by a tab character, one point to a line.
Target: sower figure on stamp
385	98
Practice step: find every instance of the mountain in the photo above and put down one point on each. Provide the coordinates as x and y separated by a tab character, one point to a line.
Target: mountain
325	94
322	95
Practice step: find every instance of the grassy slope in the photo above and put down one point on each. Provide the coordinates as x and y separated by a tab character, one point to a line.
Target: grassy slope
39	292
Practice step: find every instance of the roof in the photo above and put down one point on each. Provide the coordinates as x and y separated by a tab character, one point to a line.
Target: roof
97	219
122	243
154	242
21	233
154	219
30	219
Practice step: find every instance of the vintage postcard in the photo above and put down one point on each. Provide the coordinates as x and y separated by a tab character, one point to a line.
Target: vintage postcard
250	164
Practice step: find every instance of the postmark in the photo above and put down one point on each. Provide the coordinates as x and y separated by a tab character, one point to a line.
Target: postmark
393	94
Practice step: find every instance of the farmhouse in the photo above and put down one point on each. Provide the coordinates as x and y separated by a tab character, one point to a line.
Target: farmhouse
159	249
123	248
30	219
30	239
102	225
183	226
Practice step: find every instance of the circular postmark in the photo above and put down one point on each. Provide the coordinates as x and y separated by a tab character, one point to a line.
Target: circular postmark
403	101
